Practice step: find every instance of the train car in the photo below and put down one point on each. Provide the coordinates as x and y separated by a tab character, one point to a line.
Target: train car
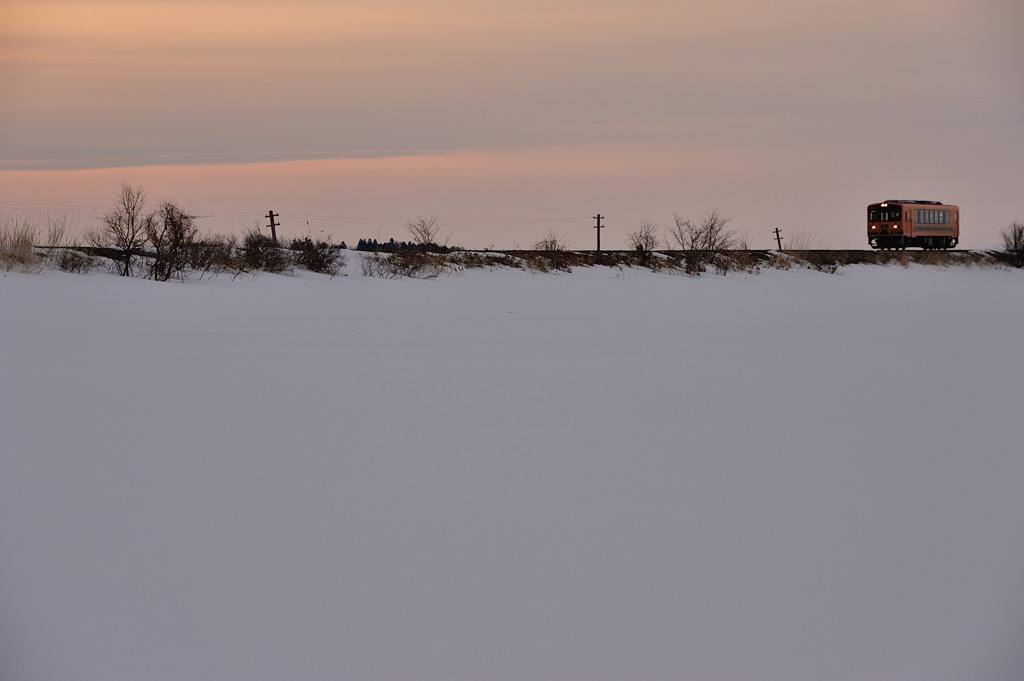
900	223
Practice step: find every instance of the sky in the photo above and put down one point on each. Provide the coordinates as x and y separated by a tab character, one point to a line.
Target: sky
509	121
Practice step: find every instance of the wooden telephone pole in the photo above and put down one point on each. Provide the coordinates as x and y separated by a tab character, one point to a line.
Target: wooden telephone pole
599	227
273	225
778	238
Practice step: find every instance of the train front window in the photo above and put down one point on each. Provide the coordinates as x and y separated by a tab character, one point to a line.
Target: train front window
887	214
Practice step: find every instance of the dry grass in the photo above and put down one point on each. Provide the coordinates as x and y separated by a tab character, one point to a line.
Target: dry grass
17	244
802	241
552	242
408	264
486	260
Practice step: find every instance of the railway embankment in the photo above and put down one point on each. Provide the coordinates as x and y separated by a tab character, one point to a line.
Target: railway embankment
214	260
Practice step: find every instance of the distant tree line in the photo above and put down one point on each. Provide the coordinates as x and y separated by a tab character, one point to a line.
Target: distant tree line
392	246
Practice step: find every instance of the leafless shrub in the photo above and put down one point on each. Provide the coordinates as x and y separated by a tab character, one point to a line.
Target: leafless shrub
1013	241
215	254
408	264
552	242
260	252
369	265
172	234
71	259
644	238
126	225
317	255
98	247
704	240
711	233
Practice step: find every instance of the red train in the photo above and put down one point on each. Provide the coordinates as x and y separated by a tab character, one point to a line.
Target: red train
901	223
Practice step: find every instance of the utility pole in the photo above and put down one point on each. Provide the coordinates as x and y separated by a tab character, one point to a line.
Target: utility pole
599	227
273	225
778	238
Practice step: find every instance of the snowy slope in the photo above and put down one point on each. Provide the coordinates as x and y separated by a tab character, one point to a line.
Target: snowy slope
513	476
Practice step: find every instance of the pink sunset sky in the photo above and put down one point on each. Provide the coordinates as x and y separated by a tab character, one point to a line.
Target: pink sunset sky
510	119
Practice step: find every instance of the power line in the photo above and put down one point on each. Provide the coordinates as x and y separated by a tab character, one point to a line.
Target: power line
375	221
37	203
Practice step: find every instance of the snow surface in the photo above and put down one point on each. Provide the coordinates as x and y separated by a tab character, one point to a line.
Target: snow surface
507	476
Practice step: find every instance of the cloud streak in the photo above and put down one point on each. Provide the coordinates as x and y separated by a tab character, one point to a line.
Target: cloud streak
220	77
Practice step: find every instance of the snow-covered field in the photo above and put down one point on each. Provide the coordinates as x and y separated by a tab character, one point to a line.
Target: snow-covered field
506	476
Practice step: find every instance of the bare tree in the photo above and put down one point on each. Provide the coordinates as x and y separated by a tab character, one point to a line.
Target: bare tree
126	225
1013	240
644	238
172	233
424	230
